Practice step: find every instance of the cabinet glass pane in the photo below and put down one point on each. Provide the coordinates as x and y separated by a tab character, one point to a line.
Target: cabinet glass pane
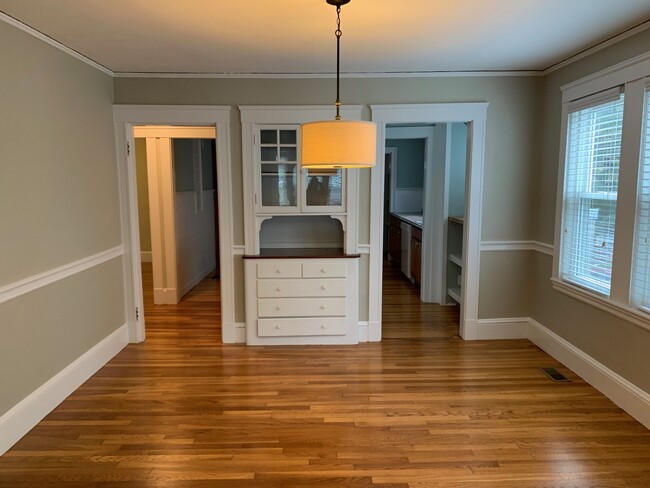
279	185
288	154
269	154
288	136
269	136
324	187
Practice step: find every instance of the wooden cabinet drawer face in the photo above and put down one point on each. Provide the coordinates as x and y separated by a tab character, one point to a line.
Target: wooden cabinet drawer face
279	270
323	269
300	327
300	307
301	288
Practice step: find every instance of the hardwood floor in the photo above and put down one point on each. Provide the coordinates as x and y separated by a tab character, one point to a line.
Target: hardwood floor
420	409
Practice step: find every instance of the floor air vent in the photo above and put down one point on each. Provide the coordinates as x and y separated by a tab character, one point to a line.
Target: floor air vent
554	374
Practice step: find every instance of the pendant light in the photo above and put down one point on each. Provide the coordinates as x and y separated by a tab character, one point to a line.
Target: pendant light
338	143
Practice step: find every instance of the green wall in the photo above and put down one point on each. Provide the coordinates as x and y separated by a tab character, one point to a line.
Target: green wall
58	204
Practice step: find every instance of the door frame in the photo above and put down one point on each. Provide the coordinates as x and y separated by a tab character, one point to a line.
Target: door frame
475	114
125	117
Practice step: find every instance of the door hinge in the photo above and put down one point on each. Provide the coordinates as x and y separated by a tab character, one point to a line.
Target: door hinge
137	313
128	148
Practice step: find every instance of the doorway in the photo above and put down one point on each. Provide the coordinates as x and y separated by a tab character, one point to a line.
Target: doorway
475	116
177	206
126	117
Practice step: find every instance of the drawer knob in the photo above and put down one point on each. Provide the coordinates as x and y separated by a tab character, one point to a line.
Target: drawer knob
323	326
323	307
277	327
278	289
322	287
278	271
277	309
323	270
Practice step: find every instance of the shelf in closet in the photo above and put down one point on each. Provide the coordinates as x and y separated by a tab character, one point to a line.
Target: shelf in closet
455	294
457	259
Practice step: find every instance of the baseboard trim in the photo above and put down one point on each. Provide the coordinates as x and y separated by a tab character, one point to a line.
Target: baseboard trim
14	290
504	328
363	331
197	279
233	333
20	419
629	397
165	296
146	257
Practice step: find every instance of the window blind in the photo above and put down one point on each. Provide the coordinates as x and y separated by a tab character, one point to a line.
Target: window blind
641	262
590	193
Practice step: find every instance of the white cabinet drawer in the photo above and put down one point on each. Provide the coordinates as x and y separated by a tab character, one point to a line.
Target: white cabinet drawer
300	288
300	327
279	269
323	269
300	307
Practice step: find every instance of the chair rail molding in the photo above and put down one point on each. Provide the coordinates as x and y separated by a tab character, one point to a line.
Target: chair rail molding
18	288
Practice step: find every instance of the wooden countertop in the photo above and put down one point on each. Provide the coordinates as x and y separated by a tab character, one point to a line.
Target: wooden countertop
301	253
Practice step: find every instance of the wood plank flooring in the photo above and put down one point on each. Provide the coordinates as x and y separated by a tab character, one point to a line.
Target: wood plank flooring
420	409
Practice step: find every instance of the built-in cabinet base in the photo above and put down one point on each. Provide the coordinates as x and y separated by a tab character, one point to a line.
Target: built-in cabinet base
301	300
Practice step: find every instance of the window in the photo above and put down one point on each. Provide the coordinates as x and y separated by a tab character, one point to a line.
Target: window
590	193
641	286
602	240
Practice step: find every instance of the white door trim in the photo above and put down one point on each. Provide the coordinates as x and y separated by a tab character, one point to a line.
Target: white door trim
476	114
125	117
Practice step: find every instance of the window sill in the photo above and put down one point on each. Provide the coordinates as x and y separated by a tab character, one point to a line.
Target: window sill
634	316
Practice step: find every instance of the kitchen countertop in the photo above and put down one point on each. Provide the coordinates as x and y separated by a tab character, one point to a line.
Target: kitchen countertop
410	218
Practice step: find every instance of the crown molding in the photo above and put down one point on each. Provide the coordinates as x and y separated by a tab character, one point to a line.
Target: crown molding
364	74
598	47
54	43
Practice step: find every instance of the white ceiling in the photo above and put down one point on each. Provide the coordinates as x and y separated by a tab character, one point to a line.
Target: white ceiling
297	36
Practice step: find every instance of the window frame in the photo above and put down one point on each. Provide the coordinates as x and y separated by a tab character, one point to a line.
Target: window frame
633	77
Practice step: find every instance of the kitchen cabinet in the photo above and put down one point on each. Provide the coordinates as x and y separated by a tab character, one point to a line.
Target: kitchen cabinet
416	255
395	241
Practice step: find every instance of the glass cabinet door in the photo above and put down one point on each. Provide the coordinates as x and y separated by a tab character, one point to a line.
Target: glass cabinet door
324	190
278	170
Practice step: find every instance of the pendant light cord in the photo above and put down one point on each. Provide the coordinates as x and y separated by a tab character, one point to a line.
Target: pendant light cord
338	59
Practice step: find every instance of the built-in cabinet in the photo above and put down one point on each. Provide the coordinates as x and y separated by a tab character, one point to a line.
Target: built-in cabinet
395	241
301	267
455	257
416	255
282	187
301	300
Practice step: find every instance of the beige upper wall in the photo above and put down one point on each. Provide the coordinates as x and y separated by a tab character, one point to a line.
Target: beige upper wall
58	184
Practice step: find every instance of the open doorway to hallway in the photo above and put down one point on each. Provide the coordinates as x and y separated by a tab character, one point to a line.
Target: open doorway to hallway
177	210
